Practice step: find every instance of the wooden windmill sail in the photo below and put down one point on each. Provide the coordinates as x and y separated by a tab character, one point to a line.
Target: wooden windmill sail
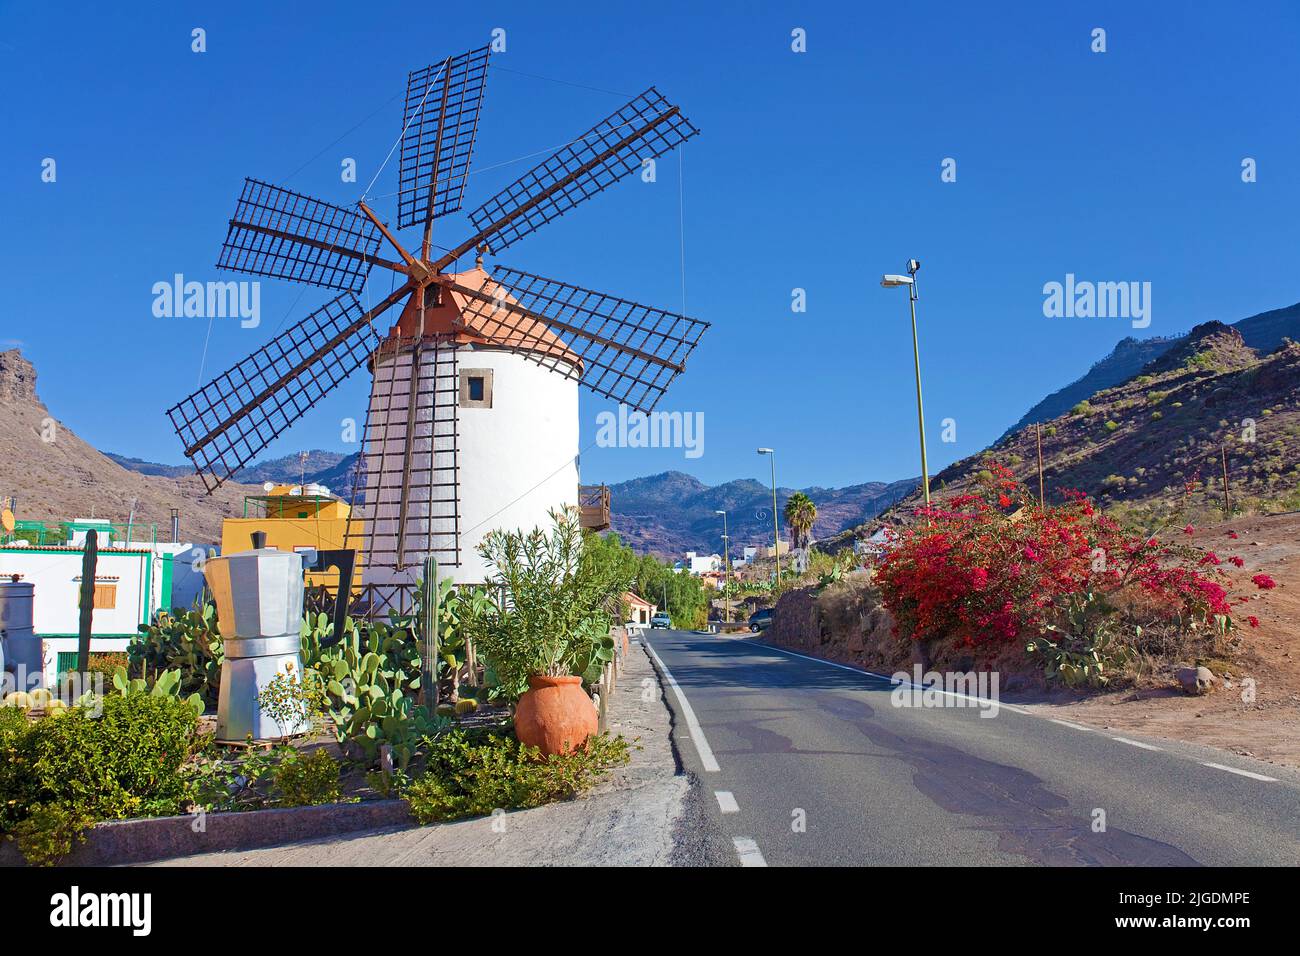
411	474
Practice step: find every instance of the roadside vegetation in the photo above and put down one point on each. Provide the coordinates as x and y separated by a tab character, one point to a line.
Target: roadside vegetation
452	743
1062	595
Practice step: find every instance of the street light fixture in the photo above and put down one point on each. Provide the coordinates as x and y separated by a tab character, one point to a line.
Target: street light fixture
776	526
726	564
909	280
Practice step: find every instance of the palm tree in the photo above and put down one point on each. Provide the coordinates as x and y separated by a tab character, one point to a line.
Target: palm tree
800	513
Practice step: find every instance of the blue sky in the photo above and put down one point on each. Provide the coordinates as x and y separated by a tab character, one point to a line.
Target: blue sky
816	170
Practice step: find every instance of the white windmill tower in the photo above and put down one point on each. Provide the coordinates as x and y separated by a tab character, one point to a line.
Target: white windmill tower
472	422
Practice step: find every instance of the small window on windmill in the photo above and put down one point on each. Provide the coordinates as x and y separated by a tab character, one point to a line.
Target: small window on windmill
476	388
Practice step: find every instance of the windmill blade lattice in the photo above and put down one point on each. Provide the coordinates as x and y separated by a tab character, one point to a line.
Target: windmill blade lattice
617	348
406	503
440	121
231	419
285	235
646	128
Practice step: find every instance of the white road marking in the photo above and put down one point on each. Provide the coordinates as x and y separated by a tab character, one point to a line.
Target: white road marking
1135	743
1243	773
1066	723
726	801
748	852
890	680
707	760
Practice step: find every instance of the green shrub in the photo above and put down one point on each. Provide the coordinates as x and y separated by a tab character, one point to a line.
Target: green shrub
117	759
562	602
13	723
306	780
1111	426
465	777
1083	408
48	832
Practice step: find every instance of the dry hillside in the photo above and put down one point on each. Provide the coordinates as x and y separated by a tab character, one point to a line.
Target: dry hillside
56	476
1154	444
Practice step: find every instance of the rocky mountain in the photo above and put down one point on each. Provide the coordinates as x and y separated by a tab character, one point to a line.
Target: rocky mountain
1263	333
667	514
672	513
56	476
328	468
1158	440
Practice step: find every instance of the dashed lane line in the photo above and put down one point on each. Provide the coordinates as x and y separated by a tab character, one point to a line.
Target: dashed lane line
748	852
726	801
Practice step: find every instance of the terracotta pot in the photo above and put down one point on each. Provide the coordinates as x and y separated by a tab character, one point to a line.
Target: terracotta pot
554	715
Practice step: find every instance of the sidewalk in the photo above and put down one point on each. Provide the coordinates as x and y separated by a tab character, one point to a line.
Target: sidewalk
629	820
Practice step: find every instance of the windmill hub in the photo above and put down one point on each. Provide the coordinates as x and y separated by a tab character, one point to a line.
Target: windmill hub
472	422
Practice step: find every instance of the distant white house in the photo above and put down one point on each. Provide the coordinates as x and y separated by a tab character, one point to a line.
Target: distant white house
132	583
874	544
698	564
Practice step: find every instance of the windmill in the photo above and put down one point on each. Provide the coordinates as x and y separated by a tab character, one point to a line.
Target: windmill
472	420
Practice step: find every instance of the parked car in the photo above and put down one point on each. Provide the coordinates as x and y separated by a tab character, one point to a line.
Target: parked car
760	619
661	620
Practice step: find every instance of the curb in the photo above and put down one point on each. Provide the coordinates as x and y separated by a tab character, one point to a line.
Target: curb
120	842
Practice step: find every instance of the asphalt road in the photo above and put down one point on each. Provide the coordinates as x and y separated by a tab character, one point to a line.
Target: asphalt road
803	762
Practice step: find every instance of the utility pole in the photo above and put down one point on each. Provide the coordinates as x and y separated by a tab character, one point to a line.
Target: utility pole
1042	503
726	565
776	525
1227	504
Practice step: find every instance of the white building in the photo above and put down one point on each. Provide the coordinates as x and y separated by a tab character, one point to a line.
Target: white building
697	564
131	585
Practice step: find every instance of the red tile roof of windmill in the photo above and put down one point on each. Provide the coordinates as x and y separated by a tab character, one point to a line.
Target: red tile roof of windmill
471	319
508	329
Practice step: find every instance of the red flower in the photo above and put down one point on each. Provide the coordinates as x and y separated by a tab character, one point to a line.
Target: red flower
1210	558
1264	582
1189	530
1233	534
1253	621
1237	561
1004	501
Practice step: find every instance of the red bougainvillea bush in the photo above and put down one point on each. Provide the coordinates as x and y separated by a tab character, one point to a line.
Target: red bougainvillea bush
992	569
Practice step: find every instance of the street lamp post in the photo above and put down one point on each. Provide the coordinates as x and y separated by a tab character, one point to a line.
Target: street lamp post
776	525
909	280
726	564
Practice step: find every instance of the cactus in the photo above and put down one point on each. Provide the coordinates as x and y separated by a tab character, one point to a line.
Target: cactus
18	699
167	684
185	641
466	706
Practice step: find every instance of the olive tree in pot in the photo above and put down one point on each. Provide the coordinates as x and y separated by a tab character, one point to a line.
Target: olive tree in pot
551	631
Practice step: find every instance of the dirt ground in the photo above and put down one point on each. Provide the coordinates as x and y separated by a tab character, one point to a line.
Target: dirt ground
1267	728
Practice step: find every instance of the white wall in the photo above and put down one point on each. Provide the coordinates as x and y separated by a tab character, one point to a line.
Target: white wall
516	460
56	575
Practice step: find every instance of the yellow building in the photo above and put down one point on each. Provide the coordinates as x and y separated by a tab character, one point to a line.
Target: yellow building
294	519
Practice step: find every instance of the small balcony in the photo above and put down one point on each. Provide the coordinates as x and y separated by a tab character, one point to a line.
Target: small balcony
593	507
